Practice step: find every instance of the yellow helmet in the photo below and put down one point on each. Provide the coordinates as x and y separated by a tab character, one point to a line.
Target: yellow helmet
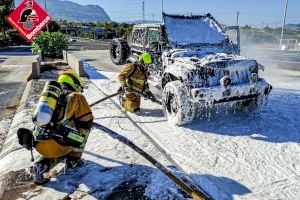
72	79
145	58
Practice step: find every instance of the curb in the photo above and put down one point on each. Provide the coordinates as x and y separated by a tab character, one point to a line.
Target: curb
11	142
75	63
11	145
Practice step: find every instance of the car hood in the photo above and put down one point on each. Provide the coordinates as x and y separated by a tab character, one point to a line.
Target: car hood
181	66
193	31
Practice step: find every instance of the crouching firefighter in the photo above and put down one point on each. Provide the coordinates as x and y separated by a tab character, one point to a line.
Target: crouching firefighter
63	120
133	79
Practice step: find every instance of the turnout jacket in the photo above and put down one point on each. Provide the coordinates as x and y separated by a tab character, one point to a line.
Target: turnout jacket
133	77
75	112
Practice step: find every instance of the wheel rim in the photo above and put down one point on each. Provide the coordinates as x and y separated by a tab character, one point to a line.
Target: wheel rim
172	105
116	52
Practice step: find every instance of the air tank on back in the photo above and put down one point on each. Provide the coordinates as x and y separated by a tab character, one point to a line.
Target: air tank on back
47	103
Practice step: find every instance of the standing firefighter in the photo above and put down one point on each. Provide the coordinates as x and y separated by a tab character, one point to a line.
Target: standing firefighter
133	79
63	121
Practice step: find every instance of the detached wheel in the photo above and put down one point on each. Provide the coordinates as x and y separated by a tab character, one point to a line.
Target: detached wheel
119	51
177	107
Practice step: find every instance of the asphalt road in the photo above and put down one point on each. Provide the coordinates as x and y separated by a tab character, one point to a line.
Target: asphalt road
99	59
18	50
274	58
87	44
15	68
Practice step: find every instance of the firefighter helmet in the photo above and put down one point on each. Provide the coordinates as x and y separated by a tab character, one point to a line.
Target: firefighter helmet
145	58
71	79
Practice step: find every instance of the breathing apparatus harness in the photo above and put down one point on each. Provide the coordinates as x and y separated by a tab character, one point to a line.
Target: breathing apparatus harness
60	132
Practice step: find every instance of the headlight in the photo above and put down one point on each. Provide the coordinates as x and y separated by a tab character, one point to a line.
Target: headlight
225	81
253	69
254	78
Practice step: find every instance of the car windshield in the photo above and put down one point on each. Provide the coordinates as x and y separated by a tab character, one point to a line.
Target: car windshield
183	31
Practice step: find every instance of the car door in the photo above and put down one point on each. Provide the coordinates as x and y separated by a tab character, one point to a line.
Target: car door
153	46
138	40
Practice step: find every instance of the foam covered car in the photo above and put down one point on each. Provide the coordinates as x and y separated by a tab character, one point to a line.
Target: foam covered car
196	64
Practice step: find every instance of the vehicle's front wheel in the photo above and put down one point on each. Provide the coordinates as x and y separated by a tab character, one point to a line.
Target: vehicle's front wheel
119	51
177	107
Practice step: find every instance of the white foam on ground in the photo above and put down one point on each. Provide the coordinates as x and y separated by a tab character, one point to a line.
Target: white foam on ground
244	155
235	156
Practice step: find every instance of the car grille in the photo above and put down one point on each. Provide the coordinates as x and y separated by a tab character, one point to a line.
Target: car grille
211	77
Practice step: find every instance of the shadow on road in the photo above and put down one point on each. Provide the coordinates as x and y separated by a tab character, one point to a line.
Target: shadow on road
93	73
2	59
135	181
277	122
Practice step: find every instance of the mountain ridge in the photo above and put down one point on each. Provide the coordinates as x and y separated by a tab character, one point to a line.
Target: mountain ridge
71	11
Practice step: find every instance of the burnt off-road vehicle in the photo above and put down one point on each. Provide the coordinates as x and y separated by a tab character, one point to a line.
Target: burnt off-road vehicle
195	64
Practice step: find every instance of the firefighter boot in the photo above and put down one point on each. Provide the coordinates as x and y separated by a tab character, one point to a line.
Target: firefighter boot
73	164
37	171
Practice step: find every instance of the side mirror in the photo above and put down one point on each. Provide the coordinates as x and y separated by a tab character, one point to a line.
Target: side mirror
234	36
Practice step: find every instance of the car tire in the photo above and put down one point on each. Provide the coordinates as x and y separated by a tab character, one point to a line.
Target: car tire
119	51
177	107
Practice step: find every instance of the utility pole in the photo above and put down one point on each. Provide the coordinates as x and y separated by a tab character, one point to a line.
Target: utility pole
143	11
162	11
237	18
45	2
283	23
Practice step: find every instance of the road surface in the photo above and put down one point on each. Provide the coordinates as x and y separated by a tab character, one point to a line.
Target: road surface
275	58
15	68
231	155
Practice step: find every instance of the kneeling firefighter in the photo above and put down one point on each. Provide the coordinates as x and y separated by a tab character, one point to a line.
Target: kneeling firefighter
133	79
63	121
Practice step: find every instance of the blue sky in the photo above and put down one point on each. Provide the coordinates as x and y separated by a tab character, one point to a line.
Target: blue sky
253	12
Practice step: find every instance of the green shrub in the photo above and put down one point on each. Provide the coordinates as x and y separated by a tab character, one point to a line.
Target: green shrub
4	42
16	39
51	44
87	35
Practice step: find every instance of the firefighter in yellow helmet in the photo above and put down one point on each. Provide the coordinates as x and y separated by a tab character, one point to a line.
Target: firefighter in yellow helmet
133	79
64	138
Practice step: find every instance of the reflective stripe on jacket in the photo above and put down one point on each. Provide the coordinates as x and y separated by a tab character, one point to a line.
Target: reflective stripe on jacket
77	112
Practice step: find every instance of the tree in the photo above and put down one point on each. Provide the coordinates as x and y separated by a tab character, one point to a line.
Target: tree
246	27
6	7
54	26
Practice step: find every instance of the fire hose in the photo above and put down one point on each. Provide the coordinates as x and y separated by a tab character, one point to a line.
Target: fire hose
121	92
195	194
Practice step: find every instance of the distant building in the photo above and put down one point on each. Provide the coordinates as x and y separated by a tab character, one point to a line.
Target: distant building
67	30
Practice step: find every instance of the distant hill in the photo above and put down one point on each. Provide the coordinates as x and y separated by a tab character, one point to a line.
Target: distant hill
68	10
295	27
141	21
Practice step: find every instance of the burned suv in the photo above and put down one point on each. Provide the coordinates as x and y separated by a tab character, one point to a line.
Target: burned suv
196	64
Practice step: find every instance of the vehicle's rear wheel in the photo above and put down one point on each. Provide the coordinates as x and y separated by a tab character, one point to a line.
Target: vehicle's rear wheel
177	107
119	51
